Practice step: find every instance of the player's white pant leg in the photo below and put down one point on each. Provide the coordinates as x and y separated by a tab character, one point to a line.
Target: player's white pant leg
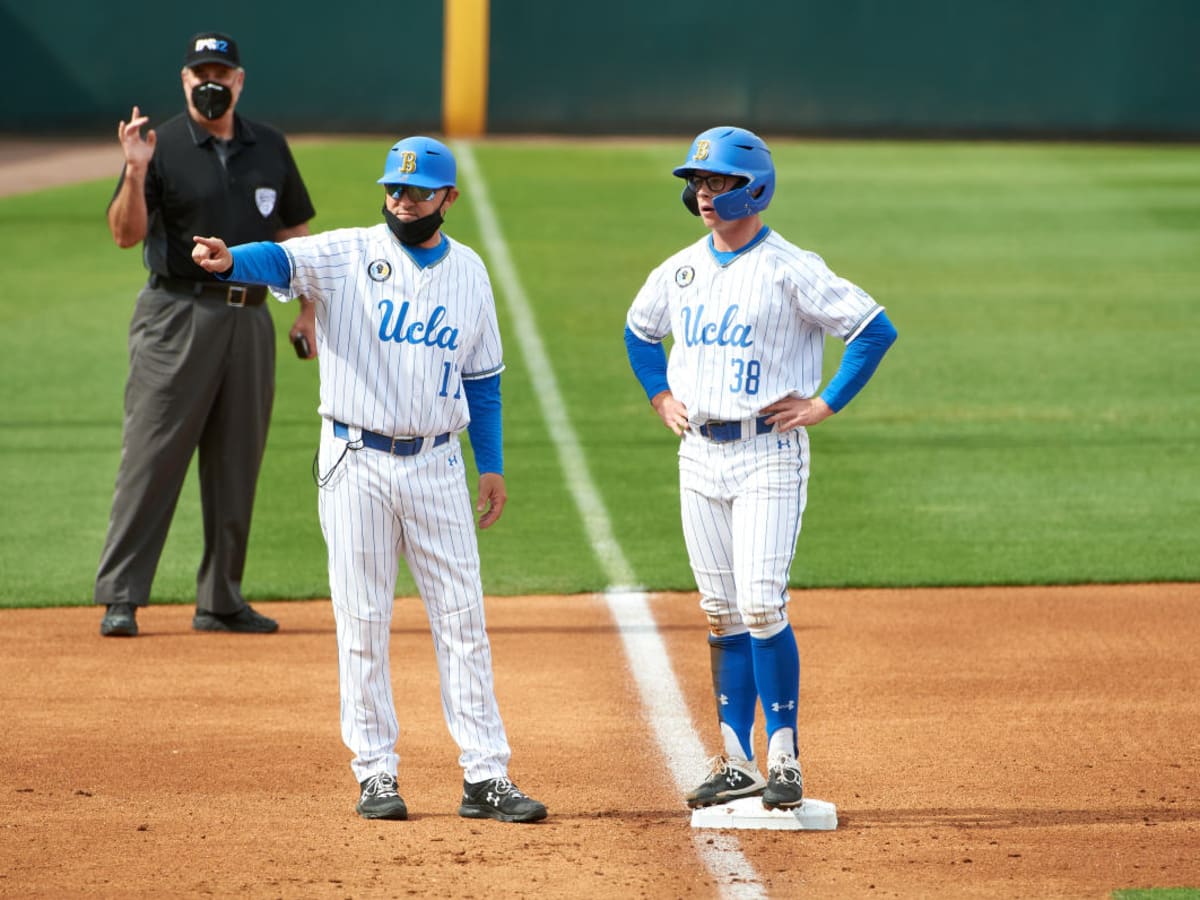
442	552
361	533
771	475
707	513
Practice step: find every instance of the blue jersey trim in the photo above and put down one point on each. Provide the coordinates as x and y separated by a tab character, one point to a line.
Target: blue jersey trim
859	361
425	257
649	363
485	428
263	262
725	257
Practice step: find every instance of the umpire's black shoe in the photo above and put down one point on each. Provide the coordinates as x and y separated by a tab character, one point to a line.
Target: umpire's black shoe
120	620
380	800
245	621
498	798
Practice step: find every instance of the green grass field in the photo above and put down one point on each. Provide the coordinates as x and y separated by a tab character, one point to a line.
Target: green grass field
1038	420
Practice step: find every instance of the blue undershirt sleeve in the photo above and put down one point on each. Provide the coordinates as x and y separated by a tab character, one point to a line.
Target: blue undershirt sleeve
649	363
859	361
263	262
485	428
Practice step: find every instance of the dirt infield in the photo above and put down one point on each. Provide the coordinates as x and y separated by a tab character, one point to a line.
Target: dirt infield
978	743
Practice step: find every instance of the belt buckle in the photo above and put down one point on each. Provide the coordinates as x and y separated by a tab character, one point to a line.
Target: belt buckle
410	446
236	295
720	432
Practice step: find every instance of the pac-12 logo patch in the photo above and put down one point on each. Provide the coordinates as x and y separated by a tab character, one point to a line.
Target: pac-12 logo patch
264	199
379	270
684	276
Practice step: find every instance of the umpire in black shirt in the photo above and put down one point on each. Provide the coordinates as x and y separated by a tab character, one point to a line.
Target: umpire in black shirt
201	352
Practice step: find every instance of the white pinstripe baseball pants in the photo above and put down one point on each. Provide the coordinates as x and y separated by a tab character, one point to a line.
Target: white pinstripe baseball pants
741	503
374	509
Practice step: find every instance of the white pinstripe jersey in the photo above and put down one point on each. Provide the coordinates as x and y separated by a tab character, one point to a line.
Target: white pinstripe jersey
750	332
395	340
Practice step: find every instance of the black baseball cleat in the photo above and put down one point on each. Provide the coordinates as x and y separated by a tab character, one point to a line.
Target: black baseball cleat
785	785
120	620
728	779
244	621
498	798
380	800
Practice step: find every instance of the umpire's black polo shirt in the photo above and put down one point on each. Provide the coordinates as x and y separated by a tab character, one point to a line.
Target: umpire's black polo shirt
253	195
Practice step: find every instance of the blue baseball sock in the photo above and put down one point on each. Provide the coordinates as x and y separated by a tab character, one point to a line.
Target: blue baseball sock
777	674
733	686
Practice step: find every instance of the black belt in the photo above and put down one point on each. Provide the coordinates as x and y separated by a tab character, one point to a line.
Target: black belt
724	432
230	294
398	446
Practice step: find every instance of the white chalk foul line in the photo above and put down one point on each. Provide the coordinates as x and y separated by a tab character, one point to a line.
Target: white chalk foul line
661	697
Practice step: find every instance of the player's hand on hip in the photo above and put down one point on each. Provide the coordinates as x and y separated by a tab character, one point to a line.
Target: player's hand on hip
138	150
211	254
793	412
492	497
671	411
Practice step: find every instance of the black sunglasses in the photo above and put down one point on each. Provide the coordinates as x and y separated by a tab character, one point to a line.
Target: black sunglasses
416	194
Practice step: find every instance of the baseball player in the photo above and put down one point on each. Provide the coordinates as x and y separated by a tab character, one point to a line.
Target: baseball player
409	354
748	313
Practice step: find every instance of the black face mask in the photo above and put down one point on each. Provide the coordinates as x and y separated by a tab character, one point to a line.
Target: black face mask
418	231
212	100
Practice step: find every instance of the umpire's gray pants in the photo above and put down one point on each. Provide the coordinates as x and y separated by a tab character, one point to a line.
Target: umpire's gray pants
201	375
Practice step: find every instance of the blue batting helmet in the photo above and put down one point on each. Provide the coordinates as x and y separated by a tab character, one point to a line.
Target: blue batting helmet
420	161
726	150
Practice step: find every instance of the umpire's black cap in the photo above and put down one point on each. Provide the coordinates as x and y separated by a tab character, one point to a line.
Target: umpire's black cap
212	47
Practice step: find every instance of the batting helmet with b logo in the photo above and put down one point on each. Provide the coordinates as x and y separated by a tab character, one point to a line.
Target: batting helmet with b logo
726	150
420	161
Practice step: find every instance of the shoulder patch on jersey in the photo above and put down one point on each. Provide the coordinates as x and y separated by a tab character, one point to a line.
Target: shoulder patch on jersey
379	270
684	275
264	199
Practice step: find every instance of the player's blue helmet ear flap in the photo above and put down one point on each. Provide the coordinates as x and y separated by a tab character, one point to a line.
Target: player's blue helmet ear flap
726	150
420	161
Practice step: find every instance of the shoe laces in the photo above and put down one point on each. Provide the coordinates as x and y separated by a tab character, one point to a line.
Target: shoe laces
723	765
503	786
381	785
785	769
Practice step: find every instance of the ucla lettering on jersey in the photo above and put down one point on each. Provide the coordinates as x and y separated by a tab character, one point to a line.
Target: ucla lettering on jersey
430	333
724	334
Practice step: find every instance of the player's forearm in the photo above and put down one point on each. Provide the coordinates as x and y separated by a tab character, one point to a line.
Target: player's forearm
263	262
485	429
127	218
649	363
859	362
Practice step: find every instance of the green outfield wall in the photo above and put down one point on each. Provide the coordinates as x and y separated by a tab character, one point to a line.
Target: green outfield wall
1021	68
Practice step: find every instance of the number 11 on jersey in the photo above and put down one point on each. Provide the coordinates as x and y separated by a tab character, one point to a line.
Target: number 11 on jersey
447	368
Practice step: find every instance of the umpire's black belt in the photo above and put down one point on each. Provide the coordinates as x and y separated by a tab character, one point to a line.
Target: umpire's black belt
725	432
230	294
398	446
